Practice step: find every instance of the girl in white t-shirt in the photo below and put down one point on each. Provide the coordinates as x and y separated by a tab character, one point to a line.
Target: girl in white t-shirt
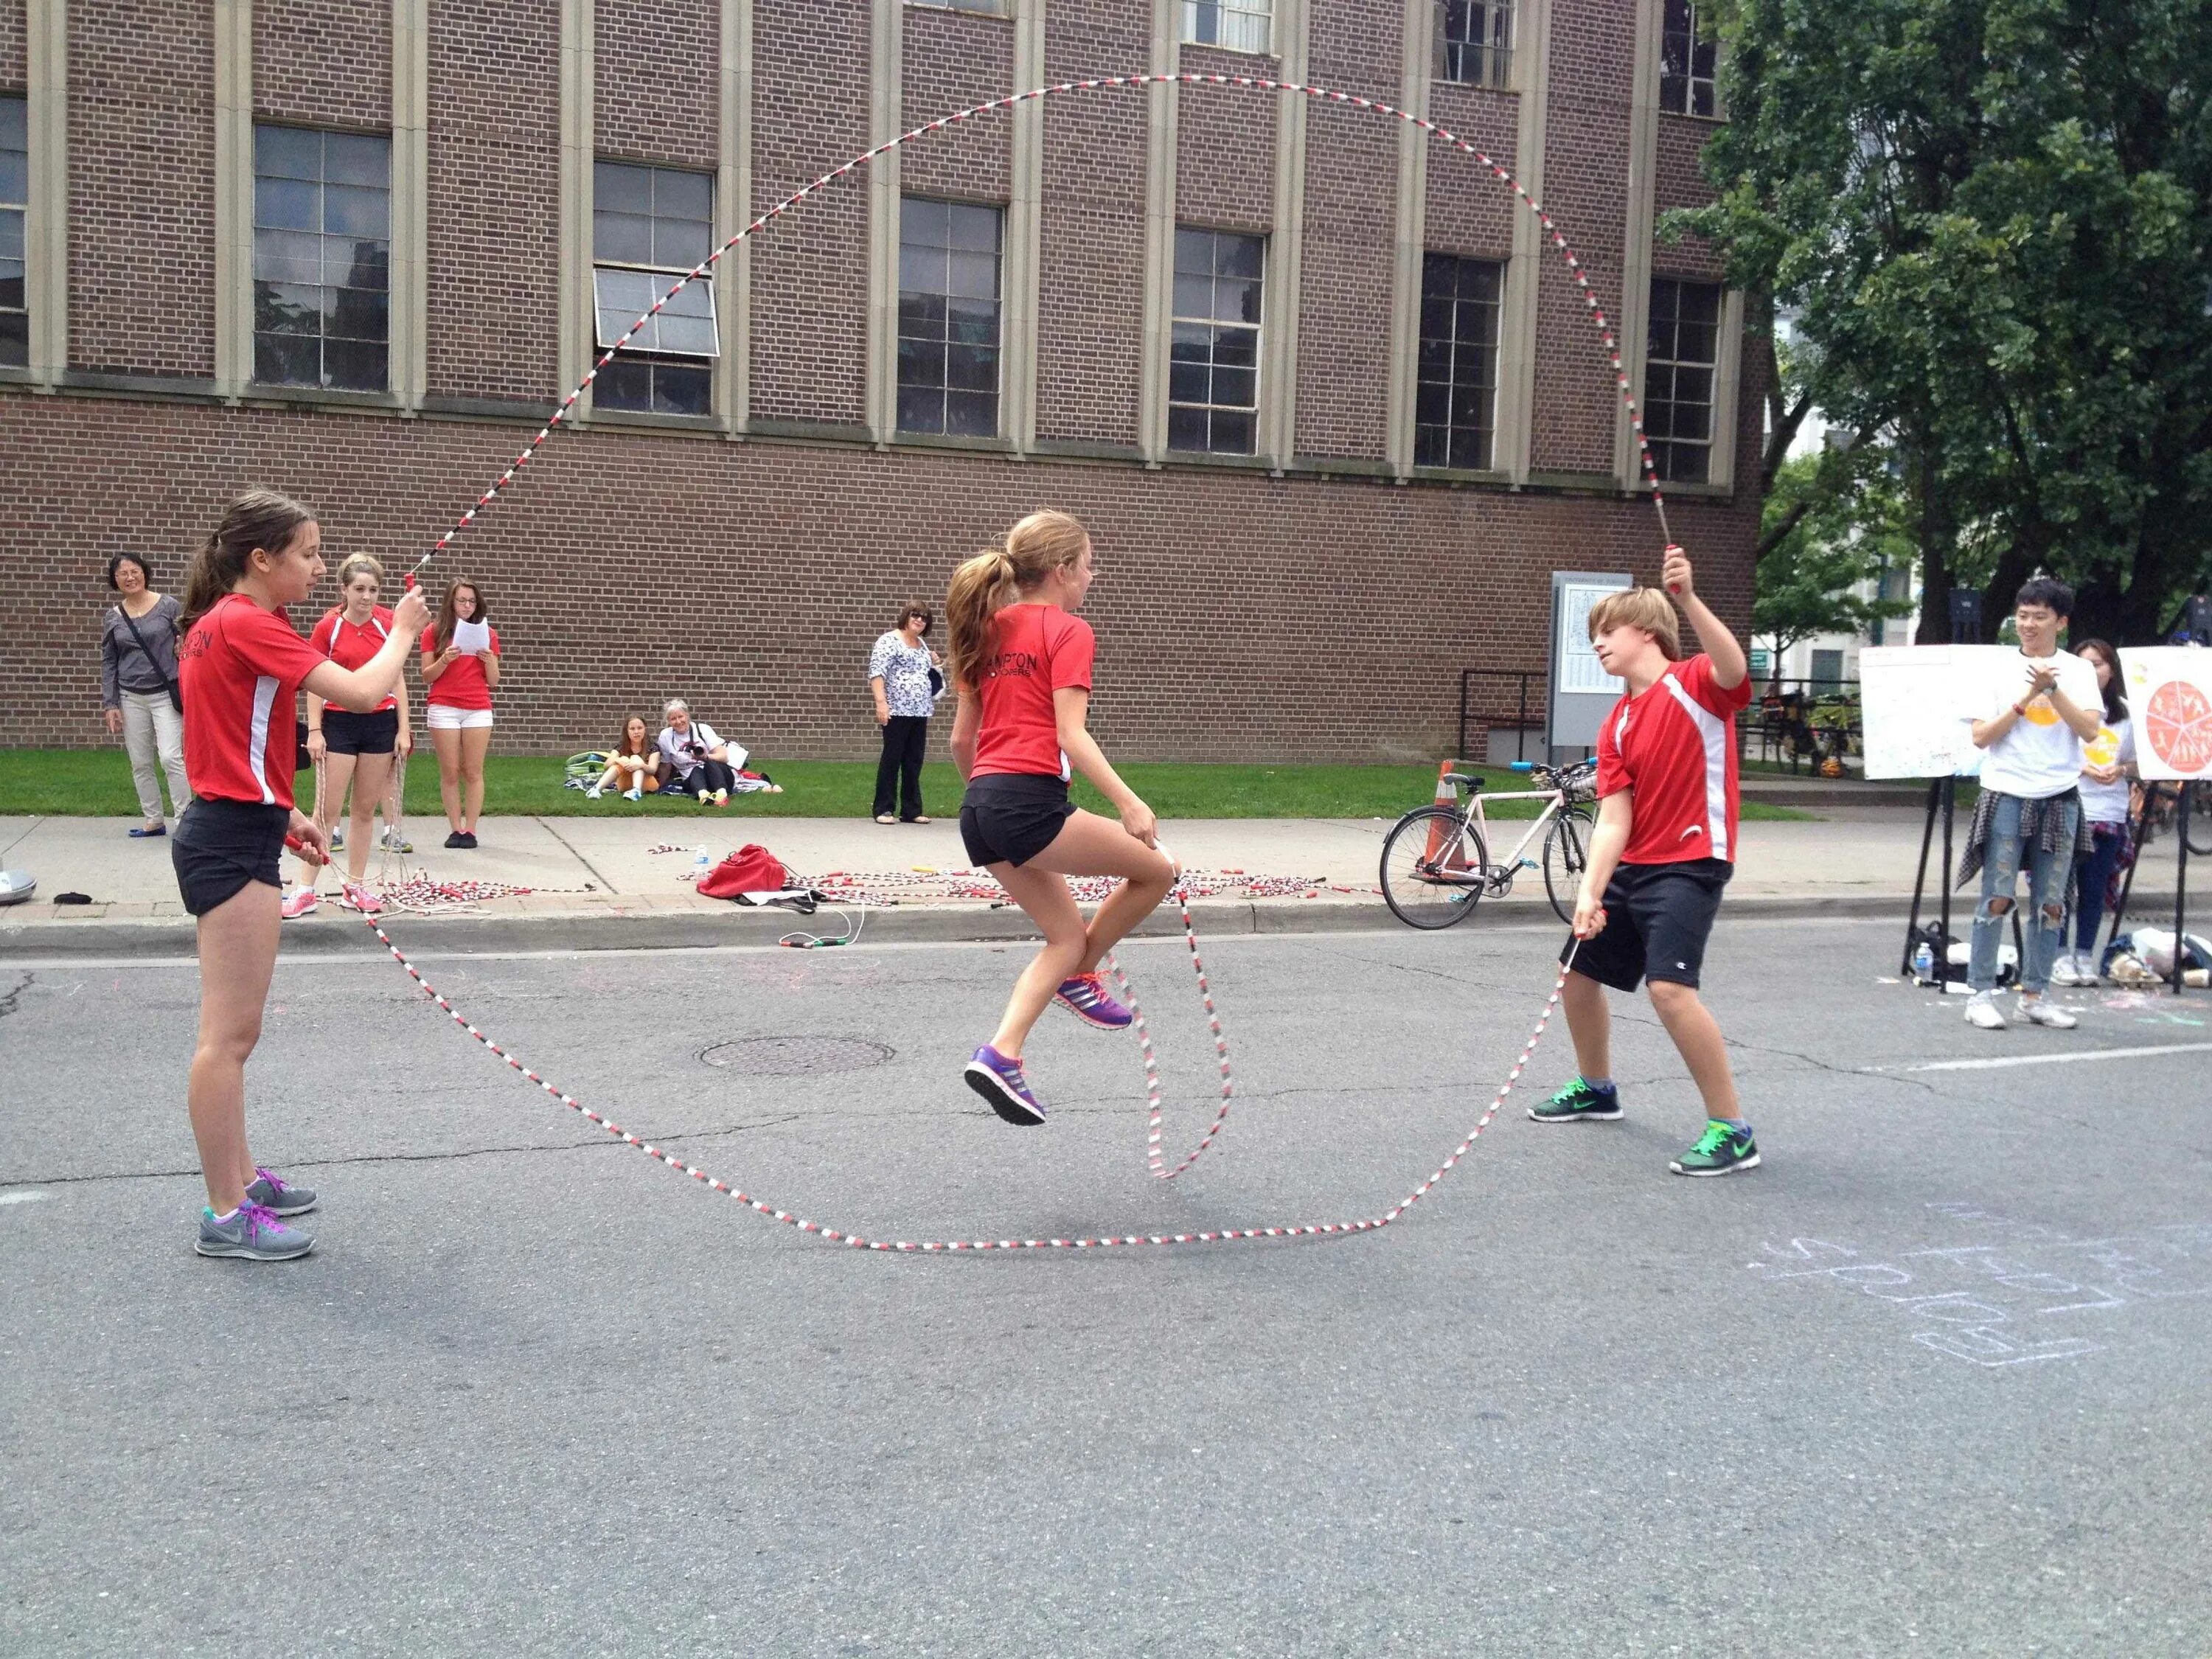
2110	762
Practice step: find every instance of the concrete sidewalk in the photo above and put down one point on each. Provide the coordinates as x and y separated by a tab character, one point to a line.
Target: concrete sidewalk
594	883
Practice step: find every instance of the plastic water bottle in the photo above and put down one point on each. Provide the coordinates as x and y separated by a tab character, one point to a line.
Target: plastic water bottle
1923	963
700	865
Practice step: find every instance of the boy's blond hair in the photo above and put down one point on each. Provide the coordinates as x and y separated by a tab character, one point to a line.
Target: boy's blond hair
1647	608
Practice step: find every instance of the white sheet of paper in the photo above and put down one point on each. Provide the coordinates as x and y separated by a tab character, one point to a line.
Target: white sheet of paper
470	637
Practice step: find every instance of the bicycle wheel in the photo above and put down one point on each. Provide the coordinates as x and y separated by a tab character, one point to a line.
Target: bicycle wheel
1433	862
2200	818
1566	851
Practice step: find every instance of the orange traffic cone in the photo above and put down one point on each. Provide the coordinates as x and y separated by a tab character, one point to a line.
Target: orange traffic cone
1439	833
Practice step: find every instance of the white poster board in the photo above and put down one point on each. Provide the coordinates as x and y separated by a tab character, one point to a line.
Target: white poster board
1918	704
2170	701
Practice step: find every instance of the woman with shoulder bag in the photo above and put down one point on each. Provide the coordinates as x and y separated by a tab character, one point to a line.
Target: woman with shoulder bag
139	690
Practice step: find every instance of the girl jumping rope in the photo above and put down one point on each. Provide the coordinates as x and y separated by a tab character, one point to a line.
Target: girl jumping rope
1021	660
241	668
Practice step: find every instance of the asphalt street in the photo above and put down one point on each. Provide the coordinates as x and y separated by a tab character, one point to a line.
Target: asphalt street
1933	1381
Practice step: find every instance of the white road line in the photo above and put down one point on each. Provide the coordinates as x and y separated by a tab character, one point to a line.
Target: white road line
23	1198
2070	1057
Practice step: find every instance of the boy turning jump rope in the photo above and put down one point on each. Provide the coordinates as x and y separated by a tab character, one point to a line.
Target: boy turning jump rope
1665	847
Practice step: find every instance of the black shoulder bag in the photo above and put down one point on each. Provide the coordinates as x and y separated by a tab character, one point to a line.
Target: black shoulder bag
176	692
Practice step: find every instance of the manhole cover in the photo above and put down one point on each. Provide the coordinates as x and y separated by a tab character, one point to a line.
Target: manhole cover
797	1056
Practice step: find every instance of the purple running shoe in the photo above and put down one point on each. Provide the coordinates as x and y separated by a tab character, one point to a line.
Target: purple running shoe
277	1196
999	1080
251	1231
1085	996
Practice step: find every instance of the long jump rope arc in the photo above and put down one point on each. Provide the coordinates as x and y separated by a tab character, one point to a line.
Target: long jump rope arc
1156	1158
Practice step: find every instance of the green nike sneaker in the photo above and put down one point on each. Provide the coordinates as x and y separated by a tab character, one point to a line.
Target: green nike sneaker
1578	1103
1720	1151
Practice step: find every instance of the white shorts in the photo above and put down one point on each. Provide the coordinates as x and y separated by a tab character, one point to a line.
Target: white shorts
444	717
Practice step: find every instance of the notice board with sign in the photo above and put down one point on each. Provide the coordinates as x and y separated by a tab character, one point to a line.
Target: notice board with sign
1581	692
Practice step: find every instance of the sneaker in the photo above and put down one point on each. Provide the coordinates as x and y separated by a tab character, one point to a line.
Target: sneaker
1982	1011
1720	1151
2068	970
299	902
277	1196
591	794
338	838
251	1231
358	897
467	843
632	794
705	798
1085	996
999	1080
457	839
396	842
1579	1104
721	797
885	817
2041	1010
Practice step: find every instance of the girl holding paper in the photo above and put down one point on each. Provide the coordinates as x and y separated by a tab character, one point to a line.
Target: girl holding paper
460	666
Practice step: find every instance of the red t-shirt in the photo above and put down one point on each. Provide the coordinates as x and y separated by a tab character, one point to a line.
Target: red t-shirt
350	647
463	684
1036	649
240	670
1674	748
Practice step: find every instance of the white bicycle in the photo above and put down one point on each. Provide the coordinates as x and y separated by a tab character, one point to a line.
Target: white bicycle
1436	862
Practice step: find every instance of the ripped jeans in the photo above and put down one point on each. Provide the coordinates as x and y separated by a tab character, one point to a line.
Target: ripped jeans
2047	874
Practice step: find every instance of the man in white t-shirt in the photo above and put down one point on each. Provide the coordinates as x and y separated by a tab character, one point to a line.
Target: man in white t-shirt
2043	706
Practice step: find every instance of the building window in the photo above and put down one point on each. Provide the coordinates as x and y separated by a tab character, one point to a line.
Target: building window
1678	377
1213	363
14	200
1239	25
1474	42
649	226
1456	389
322	258
948	317
1827	670
1686	58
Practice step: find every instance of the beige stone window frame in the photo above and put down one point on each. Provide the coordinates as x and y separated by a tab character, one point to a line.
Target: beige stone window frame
1486	40
14	226
1245	26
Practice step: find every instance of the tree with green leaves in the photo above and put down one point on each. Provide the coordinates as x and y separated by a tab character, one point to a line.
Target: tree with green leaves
1838	522
1988	222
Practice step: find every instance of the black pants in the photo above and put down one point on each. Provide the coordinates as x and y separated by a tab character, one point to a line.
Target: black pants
906	737
706	777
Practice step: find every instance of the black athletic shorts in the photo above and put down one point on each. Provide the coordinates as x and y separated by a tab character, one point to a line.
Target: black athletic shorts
1658	918
1009	818
361	734
220	845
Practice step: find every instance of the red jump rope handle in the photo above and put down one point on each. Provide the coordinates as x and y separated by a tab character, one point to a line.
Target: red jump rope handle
1672	587
301	847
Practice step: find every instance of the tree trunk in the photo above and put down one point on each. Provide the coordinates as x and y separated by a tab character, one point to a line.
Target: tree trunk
1935	626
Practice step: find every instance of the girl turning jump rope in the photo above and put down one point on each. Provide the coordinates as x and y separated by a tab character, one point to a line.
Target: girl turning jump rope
1020	659
241	668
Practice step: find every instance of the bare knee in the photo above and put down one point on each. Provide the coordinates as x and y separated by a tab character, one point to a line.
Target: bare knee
233	1041
1672	998
2054	915
1994	907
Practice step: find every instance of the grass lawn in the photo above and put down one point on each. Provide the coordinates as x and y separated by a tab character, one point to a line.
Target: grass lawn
96	783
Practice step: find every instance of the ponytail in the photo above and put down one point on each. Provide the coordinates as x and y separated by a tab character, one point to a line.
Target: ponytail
996	578
256	519
982	587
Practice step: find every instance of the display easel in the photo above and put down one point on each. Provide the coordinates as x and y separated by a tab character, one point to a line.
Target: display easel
1943	798
2180	876
1943	803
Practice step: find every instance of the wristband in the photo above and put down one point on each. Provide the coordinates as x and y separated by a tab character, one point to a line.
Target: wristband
2020	709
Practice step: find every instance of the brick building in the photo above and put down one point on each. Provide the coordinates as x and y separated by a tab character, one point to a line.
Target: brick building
1332	411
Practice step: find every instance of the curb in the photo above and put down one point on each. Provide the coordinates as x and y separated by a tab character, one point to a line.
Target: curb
940	924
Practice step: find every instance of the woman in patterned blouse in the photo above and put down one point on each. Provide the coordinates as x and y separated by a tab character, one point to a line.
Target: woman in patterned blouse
899	678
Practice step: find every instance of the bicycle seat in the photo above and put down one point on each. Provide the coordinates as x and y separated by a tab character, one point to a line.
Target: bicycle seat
1466	778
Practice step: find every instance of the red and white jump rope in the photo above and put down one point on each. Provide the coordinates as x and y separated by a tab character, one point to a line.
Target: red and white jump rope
1155	1159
